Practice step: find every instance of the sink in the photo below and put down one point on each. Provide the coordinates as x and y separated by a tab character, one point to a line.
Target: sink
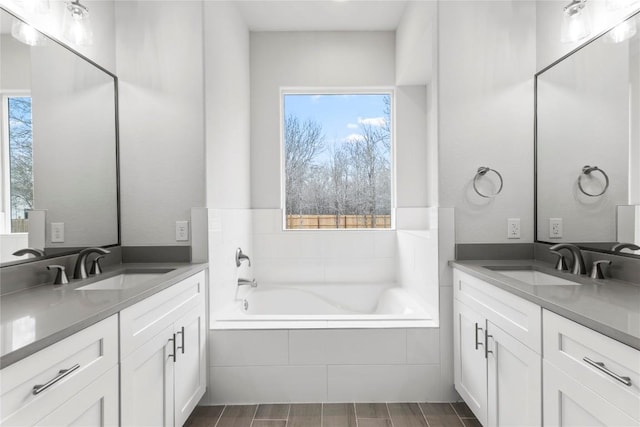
531	276
126	280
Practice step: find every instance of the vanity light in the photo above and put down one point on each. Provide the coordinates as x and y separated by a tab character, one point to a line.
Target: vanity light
26	34
622	31
575	25
77	27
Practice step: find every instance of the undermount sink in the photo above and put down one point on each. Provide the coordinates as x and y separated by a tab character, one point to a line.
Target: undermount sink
124	280
530	276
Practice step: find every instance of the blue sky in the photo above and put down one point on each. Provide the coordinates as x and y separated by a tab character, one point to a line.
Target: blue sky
339	115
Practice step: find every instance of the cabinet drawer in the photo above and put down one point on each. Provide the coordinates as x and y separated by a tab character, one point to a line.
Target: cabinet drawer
144	320
567	344
93	350
516	316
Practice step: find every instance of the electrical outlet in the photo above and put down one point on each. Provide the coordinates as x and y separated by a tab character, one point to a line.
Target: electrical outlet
182	231
57	232
513	228
555	228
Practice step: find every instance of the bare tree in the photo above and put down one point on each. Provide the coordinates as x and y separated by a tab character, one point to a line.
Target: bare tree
20	155
302	142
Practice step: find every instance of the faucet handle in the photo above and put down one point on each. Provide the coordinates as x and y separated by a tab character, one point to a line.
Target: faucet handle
95	266
561	264
596	270
61	275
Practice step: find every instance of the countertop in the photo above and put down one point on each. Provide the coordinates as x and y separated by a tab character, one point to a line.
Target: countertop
35	318
608	306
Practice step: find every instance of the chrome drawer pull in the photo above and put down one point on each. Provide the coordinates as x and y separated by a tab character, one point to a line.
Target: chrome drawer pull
181	333
477	329
172	340
486	343
600	366
37	389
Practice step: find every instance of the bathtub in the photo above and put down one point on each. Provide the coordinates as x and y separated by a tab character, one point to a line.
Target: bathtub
324	343
299	306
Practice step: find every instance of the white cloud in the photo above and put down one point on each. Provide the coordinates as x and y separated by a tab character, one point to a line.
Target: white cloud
354	137
352	126
372	121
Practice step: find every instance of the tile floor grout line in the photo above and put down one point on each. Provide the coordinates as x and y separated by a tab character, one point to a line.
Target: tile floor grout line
355	413
386	404
423	414
224	408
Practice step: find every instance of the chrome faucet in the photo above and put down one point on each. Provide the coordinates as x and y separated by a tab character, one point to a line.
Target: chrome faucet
252	283
80	270
578	261
620	246
30	251
241	257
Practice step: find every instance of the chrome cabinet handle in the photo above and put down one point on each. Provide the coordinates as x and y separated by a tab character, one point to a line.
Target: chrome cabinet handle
478	329
486	343
181	333
601	367
173	341
37	389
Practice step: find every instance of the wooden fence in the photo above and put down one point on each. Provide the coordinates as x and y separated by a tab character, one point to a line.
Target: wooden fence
311	222
19	225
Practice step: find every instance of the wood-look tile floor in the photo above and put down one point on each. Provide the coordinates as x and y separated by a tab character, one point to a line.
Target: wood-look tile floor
335	415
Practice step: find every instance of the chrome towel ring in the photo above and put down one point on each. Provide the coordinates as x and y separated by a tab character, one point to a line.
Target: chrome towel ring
586	170
482	171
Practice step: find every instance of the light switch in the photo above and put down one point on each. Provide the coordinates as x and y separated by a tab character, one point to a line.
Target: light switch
57	232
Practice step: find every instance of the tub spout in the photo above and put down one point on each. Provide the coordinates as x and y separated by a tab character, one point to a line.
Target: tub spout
252	283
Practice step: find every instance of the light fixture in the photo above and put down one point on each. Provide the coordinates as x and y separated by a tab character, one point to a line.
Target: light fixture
77	26
623	31
26	34
575	24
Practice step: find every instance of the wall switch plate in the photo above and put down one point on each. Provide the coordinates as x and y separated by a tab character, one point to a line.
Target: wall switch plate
555	228
182	231
57	232
513	228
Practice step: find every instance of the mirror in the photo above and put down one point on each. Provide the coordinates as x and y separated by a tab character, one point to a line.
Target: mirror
588	144
59	153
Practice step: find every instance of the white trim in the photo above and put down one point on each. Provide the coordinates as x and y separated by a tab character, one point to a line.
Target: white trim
5	178
340	90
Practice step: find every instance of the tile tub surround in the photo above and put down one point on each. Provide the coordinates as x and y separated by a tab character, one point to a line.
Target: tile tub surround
335	415
324	365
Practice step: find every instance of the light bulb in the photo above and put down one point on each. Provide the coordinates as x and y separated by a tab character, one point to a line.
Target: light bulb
622	31
575	25
77	26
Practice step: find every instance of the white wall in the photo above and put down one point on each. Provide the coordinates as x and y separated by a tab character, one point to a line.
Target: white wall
486	65
15	66
227	124
159	49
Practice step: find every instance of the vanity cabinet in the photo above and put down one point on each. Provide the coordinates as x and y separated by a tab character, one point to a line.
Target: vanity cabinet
74	381
497	353
163	355
589	379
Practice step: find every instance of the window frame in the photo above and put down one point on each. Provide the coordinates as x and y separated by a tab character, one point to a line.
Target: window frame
5	178
341	90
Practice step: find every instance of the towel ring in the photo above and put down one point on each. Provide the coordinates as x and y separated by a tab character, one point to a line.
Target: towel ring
482	171
586	170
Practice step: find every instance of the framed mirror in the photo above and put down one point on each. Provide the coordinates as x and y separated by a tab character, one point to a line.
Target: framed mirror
588	145
59	147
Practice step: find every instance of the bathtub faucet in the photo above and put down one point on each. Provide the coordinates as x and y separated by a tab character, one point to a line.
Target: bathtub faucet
241	257
252	283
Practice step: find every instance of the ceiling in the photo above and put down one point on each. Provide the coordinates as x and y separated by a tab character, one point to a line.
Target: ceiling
322	15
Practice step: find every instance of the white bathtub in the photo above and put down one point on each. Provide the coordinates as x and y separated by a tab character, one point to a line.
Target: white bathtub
314	306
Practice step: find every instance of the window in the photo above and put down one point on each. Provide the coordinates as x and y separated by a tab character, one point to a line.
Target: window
337	160
17	158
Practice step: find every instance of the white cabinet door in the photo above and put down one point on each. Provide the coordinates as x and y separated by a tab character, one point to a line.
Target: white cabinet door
190	367
568	403
514	381
95	405
470	373
147	382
